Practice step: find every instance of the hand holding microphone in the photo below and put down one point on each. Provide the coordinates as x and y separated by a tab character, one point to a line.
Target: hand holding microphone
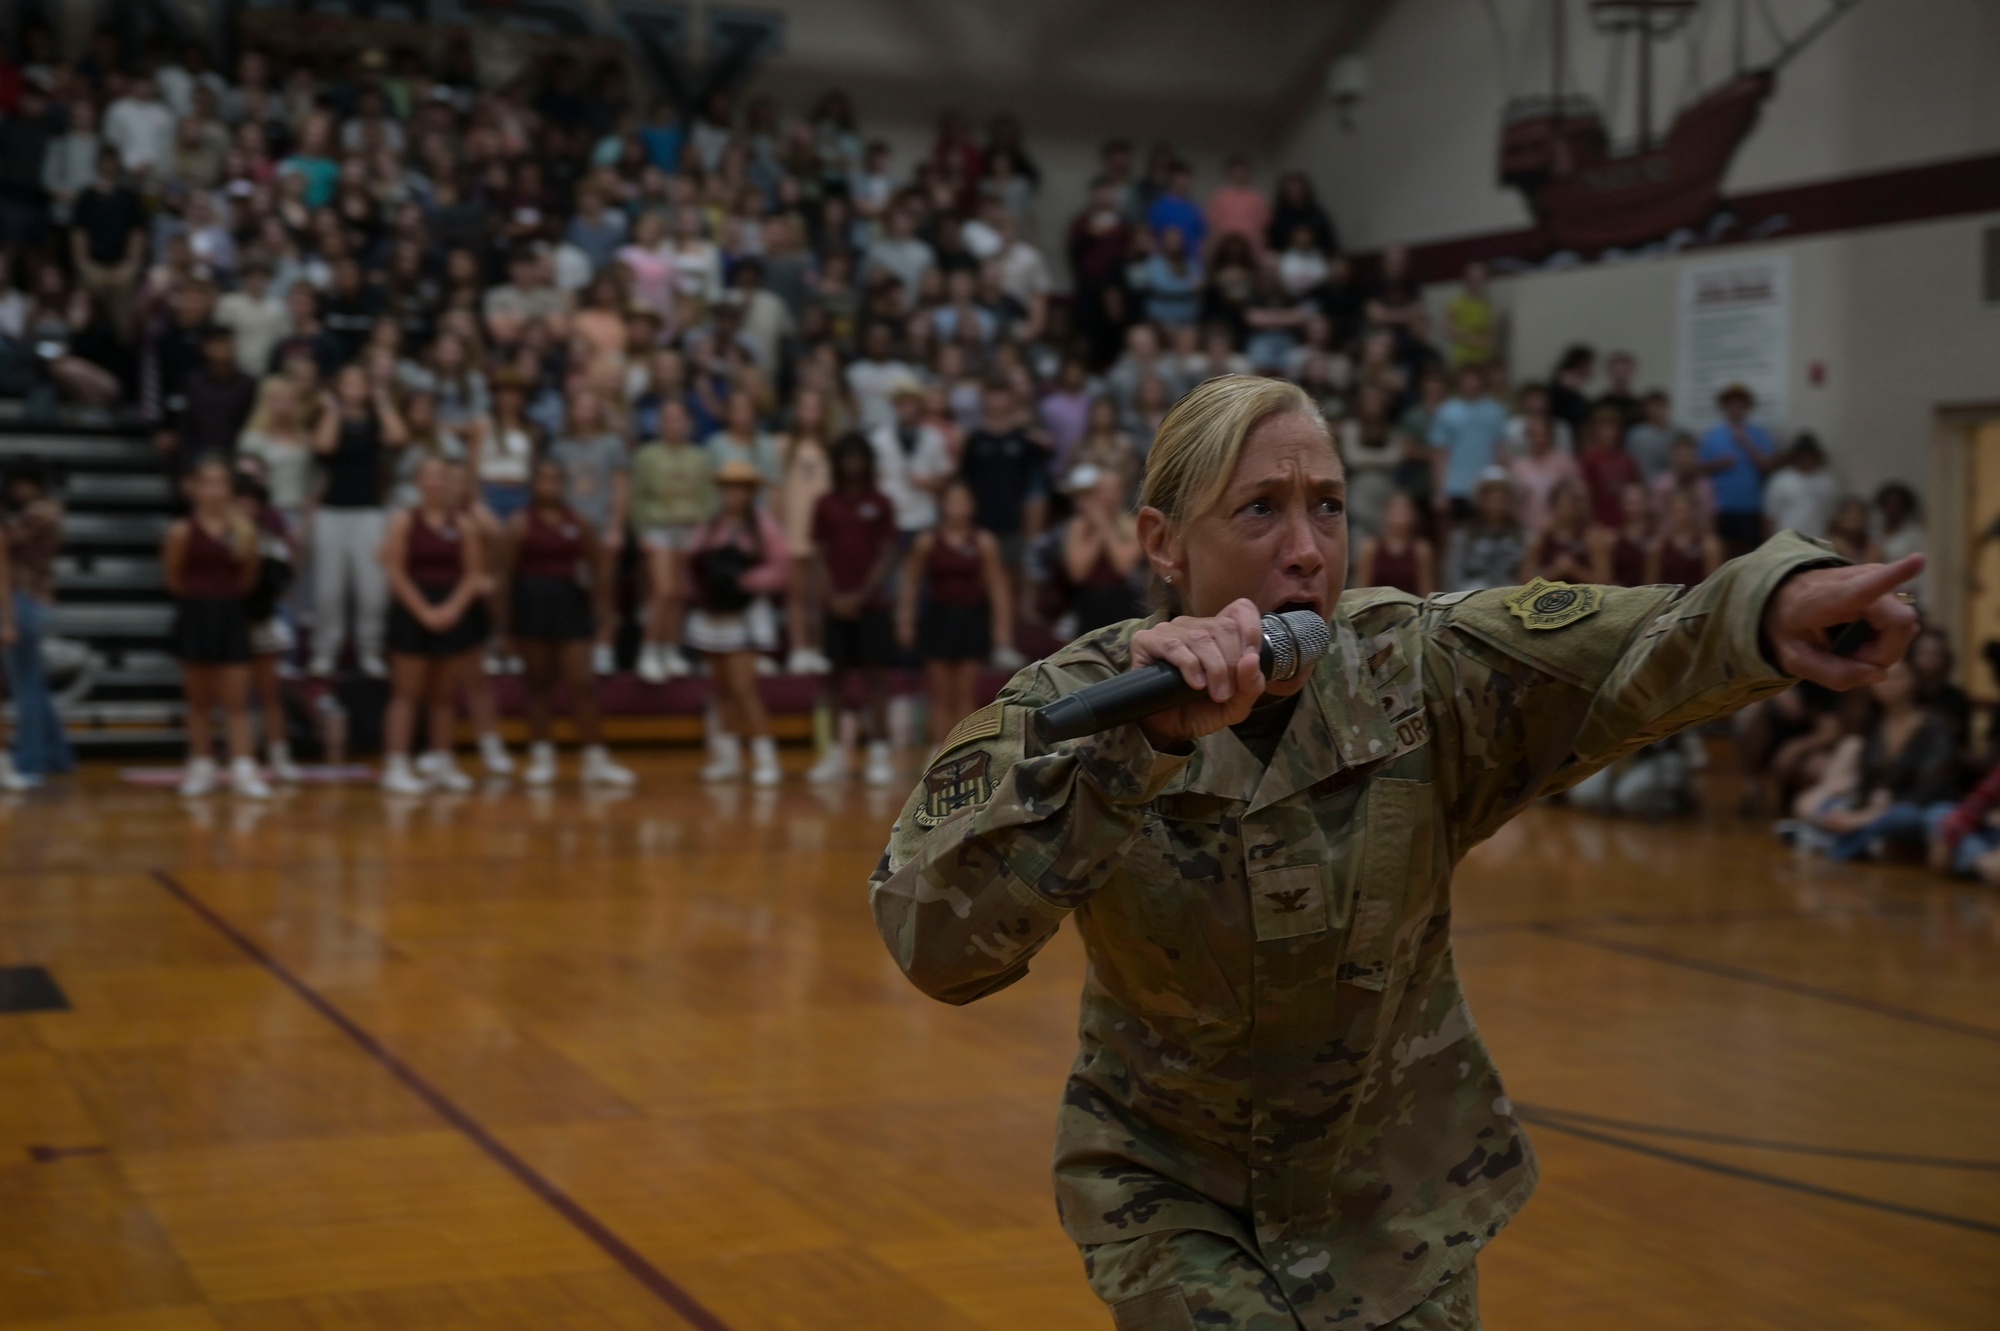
1193	676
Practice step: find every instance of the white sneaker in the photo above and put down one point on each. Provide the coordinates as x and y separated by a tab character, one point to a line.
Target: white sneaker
283	769
881	767
246	782
399	779
765	665
831	767
1007	658
764	769
677	664
602	662
493	754
599	770
541	765
374	666
653	664
805	661
444	774
200	778
725	758
12	781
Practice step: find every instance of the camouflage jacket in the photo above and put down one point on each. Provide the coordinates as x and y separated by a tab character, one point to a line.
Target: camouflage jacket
1274	1043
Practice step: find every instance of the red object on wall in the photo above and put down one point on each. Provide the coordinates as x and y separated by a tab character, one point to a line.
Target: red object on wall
1816	374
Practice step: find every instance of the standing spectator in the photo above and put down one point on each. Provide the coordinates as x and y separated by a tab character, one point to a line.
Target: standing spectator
280	443
876	376
1620	368
1651	440
743	438
270	636
740	561
954	608
1370	452
1173	281
1238	207
673	494
71	162
1737	453
255	317
1101	553
1489	550
900	252
1471	324
1569	386
598	468
808	477
1065	410
1607	468
1684	472
209	563
855	548
1107	447
1100	241
141	127
1400	557
358	426
1466	431
1006	465
912	460
217	398
1175	209
1801	494
1294	205
1531	401
108	241
552	552
1536	469
436	569
505	447
31	521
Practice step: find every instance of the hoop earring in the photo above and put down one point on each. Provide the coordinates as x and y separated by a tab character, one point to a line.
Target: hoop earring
1170	579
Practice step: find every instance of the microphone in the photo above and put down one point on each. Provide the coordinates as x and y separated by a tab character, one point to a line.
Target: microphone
1293	643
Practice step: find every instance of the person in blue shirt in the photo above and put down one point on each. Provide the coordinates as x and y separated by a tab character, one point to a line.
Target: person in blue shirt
1737	454
1177	208
664	137
1466	432
1173	278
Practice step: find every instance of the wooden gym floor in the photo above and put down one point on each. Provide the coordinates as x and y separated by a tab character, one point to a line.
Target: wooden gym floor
522	1062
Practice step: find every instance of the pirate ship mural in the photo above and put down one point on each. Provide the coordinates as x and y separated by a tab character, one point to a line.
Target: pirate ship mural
1712	64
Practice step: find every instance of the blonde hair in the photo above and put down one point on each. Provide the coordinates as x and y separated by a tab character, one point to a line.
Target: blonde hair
1194	454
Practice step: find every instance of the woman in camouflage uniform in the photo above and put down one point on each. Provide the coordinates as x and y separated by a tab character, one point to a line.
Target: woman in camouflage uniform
1281	1115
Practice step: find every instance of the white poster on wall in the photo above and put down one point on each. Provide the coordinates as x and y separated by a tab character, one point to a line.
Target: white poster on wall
1735	327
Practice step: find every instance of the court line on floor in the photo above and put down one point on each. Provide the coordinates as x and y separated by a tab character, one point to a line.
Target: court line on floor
1618	920
1748	976
1758	1176
628	1258
1763	1143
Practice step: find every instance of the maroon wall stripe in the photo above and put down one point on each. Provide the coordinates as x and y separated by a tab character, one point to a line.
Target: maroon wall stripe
1881	198
655	1281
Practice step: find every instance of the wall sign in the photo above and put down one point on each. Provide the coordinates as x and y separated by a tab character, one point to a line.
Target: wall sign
1734	327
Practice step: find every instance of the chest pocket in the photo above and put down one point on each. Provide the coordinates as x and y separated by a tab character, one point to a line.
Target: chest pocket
1146	929
1392	883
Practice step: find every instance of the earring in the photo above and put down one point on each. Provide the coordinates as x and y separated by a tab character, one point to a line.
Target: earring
1170	579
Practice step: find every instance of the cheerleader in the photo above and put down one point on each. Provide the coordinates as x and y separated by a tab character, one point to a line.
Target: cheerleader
956	571
437	621
553	628
740	560
209	563
270	636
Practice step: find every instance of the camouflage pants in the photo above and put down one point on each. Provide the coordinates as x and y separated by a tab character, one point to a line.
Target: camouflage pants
1191	1280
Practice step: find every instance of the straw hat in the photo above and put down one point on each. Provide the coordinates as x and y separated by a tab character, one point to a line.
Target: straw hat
738	472
1739	389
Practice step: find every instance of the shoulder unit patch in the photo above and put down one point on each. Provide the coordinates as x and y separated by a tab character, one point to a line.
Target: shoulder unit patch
953	783
1553	605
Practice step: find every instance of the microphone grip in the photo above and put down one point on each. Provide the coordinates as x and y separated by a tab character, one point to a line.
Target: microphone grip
1120	700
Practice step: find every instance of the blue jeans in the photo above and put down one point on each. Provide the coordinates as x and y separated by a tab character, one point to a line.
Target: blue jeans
40	747
1908	822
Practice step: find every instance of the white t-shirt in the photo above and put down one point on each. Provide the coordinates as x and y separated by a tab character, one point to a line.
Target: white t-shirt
871	382
1801	501
143	133
895	470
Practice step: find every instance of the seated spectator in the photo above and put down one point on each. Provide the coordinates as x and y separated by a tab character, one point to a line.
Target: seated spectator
1633	542
1536	468
1302	267
1802	493
1965	837
1687	550
1883	777
1398	556
1783	745
1848	532
1572	547
1488	550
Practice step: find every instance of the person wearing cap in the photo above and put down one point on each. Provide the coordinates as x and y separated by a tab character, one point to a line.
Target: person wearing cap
1737	454
1281	1114
740	561
912	459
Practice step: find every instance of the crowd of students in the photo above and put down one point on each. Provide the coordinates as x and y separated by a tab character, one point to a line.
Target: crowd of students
461	381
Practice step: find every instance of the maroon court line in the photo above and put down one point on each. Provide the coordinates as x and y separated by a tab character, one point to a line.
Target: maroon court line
656	1281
